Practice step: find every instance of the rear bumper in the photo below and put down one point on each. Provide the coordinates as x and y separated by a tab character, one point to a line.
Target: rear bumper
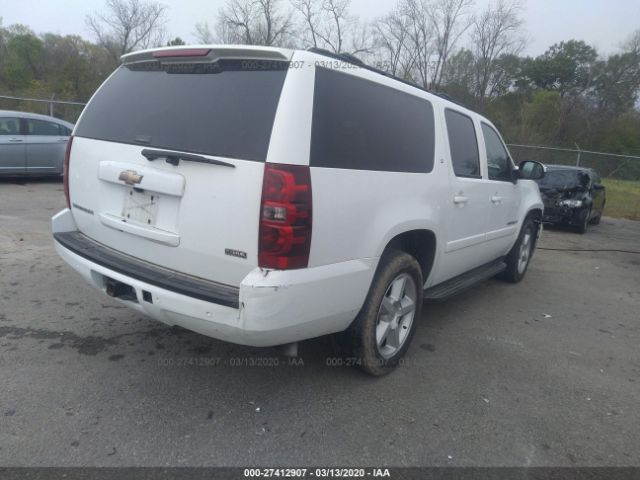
269	307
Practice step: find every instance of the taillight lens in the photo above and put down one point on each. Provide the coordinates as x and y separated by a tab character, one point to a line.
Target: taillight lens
66	172
285	217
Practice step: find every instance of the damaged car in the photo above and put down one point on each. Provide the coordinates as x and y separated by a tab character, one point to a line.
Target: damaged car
573	196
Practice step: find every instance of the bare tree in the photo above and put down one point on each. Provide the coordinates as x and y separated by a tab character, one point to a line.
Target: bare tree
203	33
127	25
253	22
421	38
449	21
330	25
391	38
334	29
632	44
311	15
360	39
494	34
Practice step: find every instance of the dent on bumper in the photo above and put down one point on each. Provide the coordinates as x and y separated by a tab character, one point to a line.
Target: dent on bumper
276	307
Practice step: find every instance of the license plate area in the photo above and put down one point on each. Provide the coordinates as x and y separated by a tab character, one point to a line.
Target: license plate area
140	207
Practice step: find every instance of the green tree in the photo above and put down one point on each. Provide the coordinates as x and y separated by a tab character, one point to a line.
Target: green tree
23	62
565	67
175	42
617	83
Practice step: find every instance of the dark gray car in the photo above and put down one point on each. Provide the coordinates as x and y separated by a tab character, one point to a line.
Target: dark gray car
32	144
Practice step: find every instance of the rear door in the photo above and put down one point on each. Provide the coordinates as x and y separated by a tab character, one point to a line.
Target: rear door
168	159
12	147
45	146
466	215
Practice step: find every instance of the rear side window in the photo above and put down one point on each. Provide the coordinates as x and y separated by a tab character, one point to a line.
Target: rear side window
225	109
42	127
463	144
361	125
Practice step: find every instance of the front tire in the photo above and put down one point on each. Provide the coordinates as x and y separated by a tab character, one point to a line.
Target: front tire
596	220
381	333
584	224
518	258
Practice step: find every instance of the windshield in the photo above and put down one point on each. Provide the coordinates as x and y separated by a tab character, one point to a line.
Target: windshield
225	109
561	179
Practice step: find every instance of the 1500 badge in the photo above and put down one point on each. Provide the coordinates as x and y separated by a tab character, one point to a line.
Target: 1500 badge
235	253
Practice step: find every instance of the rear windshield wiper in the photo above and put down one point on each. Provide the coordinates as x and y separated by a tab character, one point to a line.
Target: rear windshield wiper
174	157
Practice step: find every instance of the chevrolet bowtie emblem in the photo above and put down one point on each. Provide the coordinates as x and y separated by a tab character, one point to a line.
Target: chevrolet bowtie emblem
130	177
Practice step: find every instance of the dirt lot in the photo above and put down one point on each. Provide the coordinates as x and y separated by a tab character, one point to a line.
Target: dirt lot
546	372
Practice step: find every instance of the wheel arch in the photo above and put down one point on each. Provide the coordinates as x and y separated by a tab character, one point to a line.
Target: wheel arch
420	243
536	214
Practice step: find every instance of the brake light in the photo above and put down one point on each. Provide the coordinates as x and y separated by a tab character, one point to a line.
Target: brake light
182	52
285	217
65	177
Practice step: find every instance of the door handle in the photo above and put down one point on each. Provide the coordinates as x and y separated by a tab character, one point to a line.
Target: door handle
460	199
497	199
15	140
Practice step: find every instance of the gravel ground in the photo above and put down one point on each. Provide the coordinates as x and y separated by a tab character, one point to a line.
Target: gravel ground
544	373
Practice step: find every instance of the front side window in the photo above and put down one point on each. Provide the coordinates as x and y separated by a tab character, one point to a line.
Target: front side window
362	125
498	161
42	127
463	144
9	126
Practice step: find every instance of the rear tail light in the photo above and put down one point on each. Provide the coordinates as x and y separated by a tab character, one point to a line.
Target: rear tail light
66	171
285	217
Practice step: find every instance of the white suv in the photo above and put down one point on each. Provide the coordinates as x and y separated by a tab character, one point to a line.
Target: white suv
264	196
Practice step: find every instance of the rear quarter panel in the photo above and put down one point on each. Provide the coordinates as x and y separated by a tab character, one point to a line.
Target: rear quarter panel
355	212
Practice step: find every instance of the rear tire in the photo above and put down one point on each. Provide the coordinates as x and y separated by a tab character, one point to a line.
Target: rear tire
518	258
381	333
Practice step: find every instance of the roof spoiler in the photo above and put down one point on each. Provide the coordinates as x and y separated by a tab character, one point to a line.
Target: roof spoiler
202	53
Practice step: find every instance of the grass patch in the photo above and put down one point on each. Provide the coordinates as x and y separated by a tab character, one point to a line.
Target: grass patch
623	199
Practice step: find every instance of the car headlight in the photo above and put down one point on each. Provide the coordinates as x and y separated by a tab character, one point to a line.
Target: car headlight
571	203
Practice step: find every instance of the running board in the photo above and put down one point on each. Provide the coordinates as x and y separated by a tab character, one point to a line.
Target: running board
462	282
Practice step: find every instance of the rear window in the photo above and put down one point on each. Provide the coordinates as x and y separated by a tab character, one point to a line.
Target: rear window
225	109
361	125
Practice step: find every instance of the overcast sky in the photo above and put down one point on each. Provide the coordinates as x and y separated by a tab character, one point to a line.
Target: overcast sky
601	23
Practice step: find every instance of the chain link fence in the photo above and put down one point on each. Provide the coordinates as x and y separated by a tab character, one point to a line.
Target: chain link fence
64	109
608	165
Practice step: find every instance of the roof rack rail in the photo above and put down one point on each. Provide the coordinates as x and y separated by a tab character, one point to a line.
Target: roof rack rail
353	60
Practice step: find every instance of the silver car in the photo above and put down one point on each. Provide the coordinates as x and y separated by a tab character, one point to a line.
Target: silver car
32	144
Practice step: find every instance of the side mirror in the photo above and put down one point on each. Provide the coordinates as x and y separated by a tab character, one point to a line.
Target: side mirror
598	186
531	170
